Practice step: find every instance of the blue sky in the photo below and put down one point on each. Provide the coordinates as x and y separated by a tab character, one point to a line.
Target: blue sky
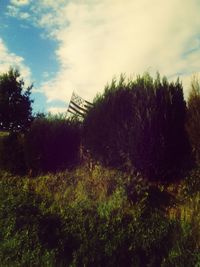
80	45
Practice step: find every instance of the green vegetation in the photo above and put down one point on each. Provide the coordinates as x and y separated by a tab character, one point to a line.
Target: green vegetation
121	188
193	117
51	143
141	124
15	102
84	218
3	133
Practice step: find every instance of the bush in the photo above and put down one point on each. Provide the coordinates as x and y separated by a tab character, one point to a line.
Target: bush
193	117
19	220
192	182
43	225
52	144
184	250
12	154
49	145
140	124
32	233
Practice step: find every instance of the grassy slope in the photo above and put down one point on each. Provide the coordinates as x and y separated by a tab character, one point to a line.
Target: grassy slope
97	218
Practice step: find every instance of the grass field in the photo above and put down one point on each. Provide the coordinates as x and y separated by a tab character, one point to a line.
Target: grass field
97	218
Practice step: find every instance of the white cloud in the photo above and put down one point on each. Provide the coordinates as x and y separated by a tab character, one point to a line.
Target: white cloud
12	11
46	74
20	2
15	11
8	59
57	110
100	39
24	15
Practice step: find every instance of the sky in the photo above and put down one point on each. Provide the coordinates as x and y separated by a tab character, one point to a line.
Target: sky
81	45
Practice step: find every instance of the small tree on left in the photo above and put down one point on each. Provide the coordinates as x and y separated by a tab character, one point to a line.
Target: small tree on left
15	119
15	103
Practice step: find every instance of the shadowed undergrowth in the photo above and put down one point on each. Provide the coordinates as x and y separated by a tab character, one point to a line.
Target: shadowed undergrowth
98	218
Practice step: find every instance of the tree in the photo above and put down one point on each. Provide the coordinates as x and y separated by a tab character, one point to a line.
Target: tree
193	117
15	102
106	126
140	125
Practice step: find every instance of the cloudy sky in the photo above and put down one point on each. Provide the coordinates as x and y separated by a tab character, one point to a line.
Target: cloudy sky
66	45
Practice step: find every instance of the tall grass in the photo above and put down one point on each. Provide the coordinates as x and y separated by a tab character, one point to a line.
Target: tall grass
90	218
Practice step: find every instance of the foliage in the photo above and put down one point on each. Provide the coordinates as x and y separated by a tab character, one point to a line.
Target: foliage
140	124
19	219
12	153
185	249
15	103
192	182
193	117
103	216
52	144
56	220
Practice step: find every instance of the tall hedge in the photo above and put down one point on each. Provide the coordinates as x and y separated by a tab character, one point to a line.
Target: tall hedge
140	124
12	153
52	144
193	117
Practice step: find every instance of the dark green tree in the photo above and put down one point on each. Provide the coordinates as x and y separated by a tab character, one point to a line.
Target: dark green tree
15	102
140	125
107	122
193	117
